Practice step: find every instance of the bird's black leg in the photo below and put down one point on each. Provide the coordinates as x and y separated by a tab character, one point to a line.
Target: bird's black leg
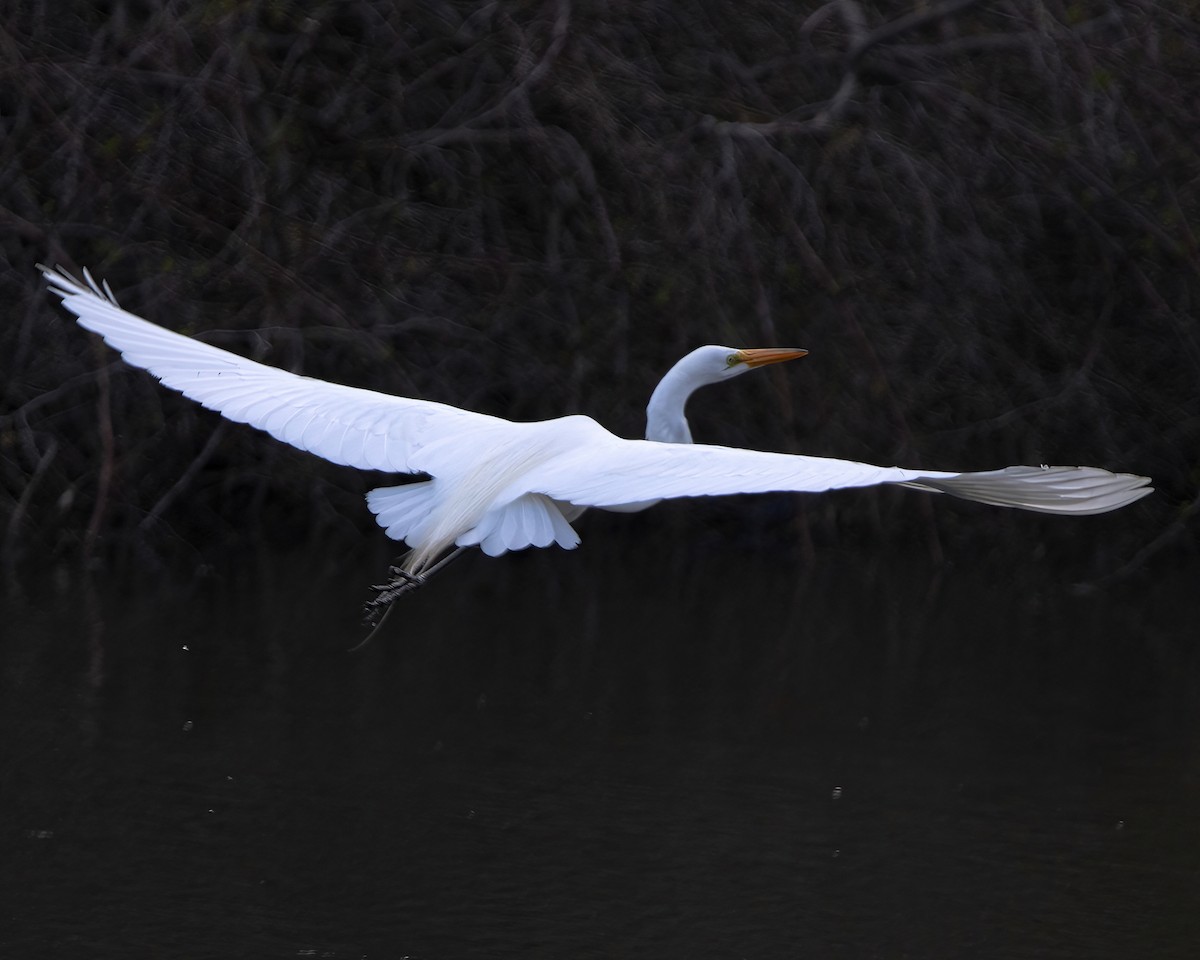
400	583
401	578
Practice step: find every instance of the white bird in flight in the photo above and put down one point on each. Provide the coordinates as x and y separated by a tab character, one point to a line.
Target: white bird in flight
503	486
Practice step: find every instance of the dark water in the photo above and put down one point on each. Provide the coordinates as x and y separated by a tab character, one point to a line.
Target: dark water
554	756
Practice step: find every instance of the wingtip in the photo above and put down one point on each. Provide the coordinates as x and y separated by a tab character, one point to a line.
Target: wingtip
64	285
1081	491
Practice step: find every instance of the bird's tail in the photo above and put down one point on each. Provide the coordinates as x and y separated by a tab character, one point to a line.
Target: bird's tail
1071	490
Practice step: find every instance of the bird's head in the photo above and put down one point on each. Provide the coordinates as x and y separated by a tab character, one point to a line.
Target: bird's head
712	364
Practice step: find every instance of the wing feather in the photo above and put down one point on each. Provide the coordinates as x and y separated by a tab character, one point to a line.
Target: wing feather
1076	490
348	425
610	472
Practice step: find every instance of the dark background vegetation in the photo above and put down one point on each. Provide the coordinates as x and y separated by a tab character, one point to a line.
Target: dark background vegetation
978	216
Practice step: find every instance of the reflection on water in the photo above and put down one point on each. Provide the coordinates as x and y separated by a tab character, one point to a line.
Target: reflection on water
567	757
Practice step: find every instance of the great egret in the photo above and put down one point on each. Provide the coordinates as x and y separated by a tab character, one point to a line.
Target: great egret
505	486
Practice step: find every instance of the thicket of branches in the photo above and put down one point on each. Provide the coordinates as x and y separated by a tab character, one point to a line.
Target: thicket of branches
979	217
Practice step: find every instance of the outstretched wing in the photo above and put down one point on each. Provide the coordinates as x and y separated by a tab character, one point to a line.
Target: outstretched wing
610	472
348	425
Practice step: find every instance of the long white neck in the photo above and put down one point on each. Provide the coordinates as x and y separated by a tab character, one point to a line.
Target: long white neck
664	414
665	420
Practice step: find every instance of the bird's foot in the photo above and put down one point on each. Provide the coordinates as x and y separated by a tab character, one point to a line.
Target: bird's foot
401	582
400	579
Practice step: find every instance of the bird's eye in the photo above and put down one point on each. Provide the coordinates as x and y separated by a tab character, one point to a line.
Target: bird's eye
732	360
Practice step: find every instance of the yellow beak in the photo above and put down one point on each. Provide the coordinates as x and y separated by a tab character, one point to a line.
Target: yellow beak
760	358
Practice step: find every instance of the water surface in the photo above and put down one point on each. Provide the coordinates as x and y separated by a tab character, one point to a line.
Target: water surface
574	756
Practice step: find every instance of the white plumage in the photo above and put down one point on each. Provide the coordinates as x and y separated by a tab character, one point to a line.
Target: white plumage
505	486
